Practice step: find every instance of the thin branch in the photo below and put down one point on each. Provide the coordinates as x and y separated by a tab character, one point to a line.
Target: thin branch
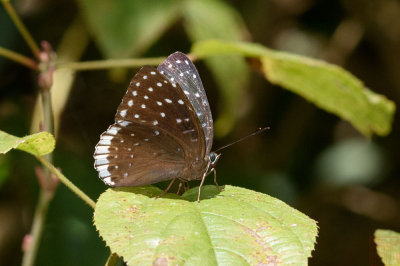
19	58
111	63
21	28
37	227
68	183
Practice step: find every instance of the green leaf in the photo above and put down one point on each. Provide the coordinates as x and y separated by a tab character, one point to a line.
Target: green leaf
327	86
37	144
233	227
125	28
209	19
388	246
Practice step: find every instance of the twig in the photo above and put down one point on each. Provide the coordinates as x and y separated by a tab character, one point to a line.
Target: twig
67	182
111	63
19	58
22	29
37	227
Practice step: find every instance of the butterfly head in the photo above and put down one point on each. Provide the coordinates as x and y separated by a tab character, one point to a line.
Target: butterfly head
213	157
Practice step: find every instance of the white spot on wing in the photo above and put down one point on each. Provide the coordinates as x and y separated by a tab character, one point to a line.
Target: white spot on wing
123	123
159	103
102	149
113	130
144	77
104	142
180	101
123	113
108	180
150	89
162	114
137	84
168	100
155	122
152	72
130	103
134	93
146	97
143	106
159	84
178	120
136	116
197	94
101	161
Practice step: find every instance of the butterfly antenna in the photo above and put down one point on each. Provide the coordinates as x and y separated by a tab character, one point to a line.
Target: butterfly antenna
258	131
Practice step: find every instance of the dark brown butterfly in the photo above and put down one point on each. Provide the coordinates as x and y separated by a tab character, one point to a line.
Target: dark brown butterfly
163	129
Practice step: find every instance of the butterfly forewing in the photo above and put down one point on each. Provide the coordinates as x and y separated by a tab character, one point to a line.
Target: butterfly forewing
179	69
155	137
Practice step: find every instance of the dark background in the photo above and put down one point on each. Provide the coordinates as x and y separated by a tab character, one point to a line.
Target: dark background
312	160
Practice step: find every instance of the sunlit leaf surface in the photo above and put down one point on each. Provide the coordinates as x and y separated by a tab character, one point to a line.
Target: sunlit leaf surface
233	227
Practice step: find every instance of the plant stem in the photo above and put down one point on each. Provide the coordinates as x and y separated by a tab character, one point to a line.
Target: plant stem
67	182
19	58
111	63
37	227
22	29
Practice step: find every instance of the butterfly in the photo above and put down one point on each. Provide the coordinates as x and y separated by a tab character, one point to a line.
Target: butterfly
163	129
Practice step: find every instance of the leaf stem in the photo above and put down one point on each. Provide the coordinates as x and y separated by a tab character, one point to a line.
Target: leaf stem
21	28
19	58
67	182
111	63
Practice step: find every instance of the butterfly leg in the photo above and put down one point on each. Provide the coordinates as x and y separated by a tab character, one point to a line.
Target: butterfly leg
201	184
179	188
215	179
166	190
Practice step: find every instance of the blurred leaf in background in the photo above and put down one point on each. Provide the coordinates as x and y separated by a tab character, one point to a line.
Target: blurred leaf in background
127	28
212	19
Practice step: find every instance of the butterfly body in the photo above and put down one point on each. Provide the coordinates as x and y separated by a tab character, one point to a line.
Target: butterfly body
163	129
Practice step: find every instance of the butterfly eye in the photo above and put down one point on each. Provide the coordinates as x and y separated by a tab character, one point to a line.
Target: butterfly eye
212	157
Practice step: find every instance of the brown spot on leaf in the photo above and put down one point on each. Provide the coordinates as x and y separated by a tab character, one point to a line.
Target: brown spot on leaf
160	262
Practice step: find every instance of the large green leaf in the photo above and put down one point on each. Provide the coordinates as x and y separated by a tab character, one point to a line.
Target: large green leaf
37	144
233	227
388	246
210	19
125	28
327	86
